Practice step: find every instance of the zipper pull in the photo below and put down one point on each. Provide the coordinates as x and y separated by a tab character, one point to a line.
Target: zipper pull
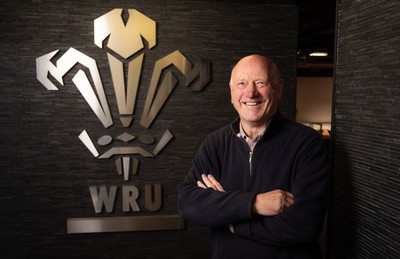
250	156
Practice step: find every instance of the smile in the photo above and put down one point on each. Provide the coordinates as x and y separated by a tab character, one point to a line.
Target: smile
251	103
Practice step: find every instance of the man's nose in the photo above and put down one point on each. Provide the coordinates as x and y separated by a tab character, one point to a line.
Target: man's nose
251	89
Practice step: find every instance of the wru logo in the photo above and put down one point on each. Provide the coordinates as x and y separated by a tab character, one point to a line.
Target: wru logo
124	42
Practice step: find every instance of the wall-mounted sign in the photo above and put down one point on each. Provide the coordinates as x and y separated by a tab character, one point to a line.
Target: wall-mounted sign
125	52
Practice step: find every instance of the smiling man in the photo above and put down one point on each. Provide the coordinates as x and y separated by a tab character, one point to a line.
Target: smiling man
260	183
255	92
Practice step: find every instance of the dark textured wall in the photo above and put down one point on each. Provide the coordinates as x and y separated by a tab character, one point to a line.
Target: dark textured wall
46	170
366	194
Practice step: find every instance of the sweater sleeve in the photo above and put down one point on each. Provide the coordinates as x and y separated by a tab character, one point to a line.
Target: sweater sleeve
302	222
207	206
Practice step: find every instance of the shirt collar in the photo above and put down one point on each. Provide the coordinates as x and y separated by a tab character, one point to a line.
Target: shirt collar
247	138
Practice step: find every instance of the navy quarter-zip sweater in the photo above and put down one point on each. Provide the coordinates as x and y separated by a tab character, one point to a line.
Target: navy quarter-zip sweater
290	157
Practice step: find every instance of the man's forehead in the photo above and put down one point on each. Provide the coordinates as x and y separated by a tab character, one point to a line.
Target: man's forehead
250	73
251	66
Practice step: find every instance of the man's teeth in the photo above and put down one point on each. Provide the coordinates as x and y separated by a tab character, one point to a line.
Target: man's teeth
251	103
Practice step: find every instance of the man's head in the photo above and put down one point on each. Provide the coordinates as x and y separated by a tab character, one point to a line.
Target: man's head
256	89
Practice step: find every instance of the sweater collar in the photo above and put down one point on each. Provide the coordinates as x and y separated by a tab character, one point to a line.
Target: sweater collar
273	126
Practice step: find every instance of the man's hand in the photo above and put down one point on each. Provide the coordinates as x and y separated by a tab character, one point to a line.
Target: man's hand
210	182
272	203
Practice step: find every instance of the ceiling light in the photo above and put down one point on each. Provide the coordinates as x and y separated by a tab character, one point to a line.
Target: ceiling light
319	54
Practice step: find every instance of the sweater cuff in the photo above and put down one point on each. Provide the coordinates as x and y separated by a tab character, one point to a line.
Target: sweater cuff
242	229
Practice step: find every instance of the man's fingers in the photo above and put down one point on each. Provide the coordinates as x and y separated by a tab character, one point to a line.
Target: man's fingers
289	198
201	185
209	181
286	198
216	183
289	194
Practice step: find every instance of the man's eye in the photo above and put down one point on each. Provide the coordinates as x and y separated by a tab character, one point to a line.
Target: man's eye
241	84
261	84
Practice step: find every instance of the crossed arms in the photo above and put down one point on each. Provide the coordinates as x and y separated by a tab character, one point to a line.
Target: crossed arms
265	204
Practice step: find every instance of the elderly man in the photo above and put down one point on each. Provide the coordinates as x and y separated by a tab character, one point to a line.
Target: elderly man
261	182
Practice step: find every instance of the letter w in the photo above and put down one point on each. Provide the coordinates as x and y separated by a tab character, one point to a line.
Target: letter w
103	197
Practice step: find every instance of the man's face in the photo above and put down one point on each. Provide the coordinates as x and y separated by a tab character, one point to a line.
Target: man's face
254	95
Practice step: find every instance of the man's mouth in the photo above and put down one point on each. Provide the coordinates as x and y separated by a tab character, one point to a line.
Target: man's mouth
251	103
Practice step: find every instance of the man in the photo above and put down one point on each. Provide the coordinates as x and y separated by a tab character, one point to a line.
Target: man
260	183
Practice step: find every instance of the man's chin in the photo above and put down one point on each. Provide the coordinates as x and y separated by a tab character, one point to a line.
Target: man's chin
254	121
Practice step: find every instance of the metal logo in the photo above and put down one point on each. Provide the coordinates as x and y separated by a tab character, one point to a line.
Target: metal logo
125	53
